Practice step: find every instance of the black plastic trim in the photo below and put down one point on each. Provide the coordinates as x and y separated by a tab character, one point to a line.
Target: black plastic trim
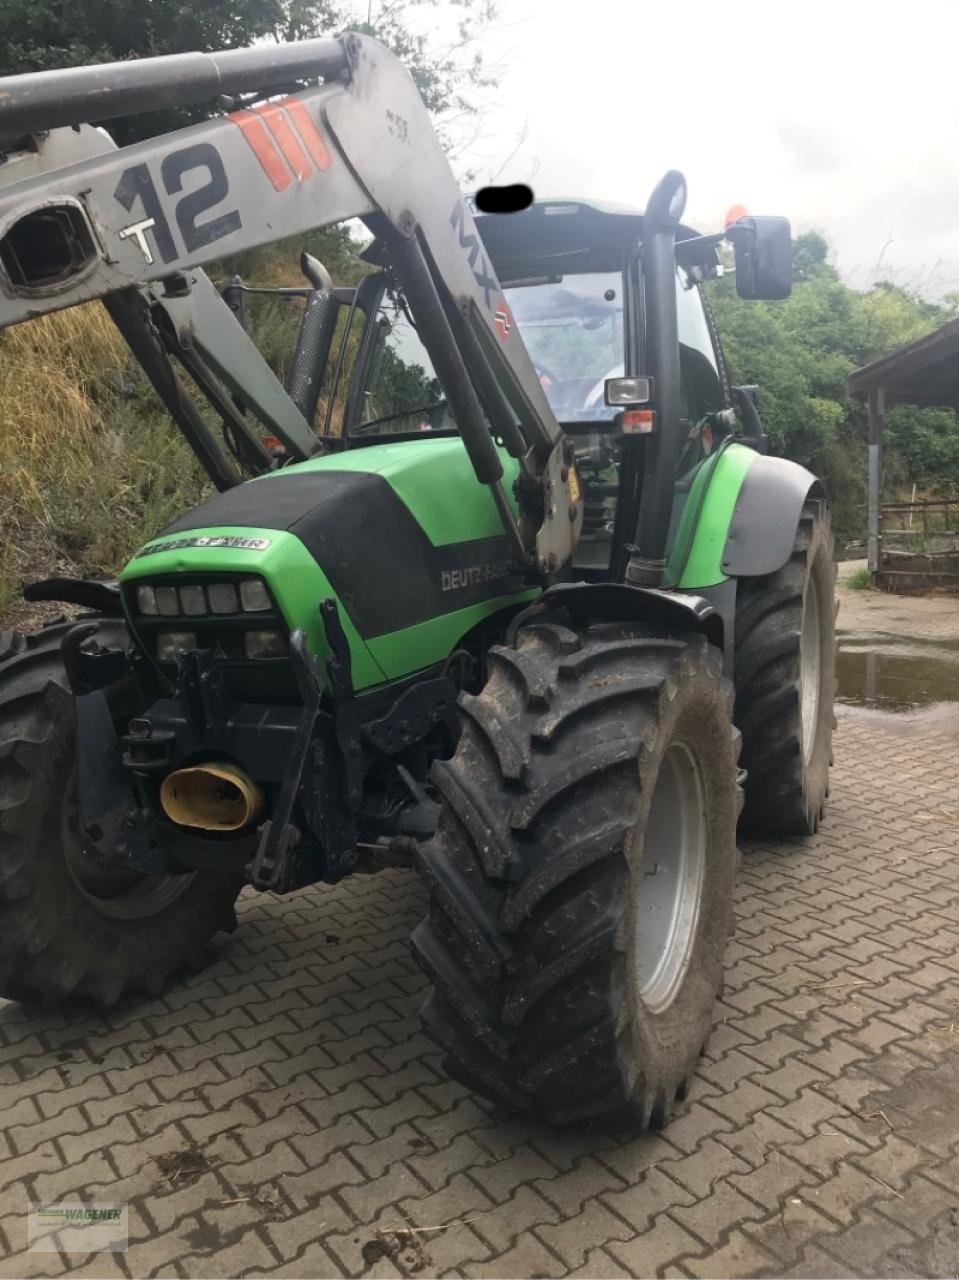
762	532
102	596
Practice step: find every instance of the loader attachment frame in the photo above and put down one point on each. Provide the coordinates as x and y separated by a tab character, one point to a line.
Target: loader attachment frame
142	221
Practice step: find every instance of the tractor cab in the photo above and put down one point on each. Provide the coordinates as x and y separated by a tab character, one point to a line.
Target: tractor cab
572	273
572	284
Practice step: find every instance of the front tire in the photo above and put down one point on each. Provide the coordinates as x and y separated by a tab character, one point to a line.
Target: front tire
785	667
582	873
67	924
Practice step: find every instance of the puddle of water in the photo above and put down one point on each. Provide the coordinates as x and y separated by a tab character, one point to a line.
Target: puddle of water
891	675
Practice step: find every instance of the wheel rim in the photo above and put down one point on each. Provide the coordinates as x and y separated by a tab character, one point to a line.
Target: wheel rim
114	892
810	669
669	886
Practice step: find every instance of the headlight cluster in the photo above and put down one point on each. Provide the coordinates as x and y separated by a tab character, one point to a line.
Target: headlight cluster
196	601
257	645
218	615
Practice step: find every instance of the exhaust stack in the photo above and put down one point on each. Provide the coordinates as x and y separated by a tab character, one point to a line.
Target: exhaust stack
216	796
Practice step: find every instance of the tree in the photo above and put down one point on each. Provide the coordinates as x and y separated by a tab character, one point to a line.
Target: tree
801	352
810	254
36	35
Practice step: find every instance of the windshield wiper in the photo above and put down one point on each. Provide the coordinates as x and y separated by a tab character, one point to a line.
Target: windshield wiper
405	413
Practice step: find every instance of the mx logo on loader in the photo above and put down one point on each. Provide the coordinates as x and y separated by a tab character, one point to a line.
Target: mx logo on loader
471	243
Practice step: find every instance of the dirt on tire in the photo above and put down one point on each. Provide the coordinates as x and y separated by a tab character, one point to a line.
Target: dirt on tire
535	872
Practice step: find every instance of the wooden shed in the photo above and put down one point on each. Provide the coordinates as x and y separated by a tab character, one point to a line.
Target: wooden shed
912	545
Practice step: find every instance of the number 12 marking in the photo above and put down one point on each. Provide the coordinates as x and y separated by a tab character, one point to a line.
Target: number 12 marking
136	183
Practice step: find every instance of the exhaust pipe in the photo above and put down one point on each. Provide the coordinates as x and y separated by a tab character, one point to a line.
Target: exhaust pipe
216	796
663	211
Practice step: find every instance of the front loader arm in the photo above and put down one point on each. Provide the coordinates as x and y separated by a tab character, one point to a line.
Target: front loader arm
360	145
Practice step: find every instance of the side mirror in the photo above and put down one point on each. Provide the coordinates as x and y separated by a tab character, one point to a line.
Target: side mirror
764	259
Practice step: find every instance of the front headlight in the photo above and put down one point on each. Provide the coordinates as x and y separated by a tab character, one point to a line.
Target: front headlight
167	603
147	601
265	644
254	596
223	597
171	644
193	601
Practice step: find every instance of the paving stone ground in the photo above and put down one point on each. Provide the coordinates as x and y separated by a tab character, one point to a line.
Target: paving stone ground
930	617
821	1136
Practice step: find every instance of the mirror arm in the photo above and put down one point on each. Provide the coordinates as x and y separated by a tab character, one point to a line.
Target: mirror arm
701	242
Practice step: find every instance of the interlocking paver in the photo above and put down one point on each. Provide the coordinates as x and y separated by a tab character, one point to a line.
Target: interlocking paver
571	1237
807	1112
436	1167
700	1172
893	1161
530	1257
740	1104
779	1175
640	1203
821	1136
649	1253
868	1240
754	1141
826	1151
843	1195
709	1218
527	1207
599	1265
699	1121
500	1180
739	1256
784	1233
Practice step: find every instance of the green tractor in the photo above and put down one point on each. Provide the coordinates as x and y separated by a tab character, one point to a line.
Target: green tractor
500	585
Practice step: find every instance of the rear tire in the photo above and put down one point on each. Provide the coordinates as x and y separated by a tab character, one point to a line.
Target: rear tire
785	667
67	925
581	877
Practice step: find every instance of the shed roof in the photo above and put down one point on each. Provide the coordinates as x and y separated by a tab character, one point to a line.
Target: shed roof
924	372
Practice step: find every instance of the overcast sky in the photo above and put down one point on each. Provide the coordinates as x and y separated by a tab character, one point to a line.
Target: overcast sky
841	115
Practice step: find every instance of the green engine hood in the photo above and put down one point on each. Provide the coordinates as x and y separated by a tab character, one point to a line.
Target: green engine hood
401	534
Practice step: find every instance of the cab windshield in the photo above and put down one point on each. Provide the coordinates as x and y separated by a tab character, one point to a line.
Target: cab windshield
573	330
572	326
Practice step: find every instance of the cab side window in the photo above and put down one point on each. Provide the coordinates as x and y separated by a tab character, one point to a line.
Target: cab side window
701	389
402	392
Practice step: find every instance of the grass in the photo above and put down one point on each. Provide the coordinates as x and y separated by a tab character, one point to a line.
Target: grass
89	465
861	580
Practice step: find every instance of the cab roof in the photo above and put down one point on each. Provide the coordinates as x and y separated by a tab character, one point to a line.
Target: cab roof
562	236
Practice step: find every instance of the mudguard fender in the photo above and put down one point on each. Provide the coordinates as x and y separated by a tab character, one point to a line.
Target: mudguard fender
762	531
615	602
